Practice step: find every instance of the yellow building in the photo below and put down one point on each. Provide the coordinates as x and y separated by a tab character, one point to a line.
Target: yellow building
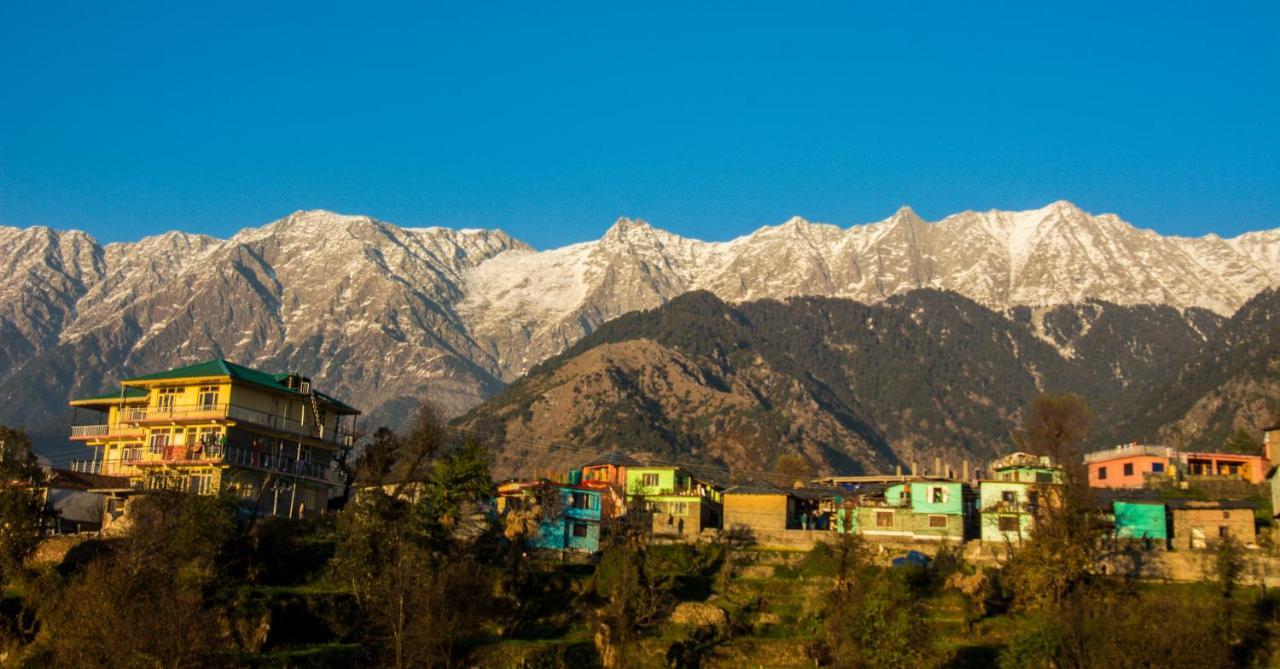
270	439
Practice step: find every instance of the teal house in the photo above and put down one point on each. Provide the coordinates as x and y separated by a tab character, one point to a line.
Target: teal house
572	521
931	510
1141	519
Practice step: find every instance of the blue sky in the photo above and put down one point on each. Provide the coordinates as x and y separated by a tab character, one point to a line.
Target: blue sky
550	120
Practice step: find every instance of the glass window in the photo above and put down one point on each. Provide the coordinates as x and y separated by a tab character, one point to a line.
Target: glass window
649	480
581	500
939	495
1102	473
1128	469
208	398
165	398
884	519
579	530
1157	467
1008	496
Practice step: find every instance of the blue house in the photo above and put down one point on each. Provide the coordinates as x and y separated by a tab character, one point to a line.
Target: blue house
572	514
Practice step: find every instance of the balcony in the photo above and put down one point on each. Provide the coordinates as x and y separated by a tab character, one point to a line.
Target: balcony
214	455
133	419
87	432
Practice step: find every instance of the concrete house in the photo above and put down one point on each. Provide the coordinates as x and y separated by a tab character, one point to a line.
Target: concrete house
928	510
678	503
1008	503
760	508
1128	465
1197	524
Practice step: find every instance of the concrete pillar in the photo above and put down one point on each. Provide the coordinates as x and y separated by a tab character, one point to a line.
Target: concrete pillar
937	466
964	470
914	469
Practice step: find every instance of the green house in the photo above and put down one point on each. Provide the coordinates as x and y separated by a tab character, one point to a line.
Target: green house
679	504
1147	520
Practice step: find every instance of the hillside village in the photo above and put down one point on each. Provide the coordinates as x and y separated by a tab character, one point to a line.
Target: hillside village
275	449
277	444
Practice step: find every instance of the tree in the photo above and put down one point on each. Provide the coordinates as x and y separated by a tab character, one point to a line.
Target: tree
1066	540
403	546
1242	442
161	582
791	468
1055	424
22	515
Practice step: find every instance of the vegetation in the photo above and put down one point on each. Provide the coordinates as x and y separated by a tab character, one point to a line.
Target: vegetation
414	572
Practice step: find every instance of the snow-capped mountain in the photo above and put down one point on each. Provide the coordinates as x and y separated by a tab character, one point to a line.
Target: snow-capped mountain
383	314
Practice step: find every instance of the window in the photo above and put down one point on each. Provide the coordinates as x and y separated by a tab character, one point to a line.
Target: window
1226	515
649	480
581	500
159	439
937	521
200	484
1008	523
580	530
1033	498
1157	467
1102	473
938	495
680	508
1128	469
165	398
1223	532
1008	497
208	398
884	519
1046	477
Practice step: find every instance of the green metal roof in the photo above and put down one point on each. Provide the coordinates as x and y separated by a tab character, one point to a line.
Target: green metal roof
114	396
236	372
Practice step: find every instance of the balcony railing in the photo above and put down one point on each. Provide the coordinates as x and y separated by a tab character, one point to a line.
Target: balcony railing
100	431
211	455
1129	451
138	416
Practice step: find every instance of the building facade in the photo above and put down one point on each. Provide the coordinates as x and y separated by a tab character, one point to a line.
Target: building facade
678	503
215	427
1128	466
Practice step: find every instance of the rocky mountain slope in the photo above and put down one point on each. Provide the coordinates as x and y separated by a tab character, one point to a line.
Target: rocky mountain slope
851	386
383	314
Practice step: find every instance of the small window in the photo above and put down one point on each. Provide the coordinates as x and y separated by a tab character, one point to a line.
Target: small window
1033	498
580	530
937	521
1102	473
884	519
1008	523
1157	467
581	500
1128	469
1223	532
1008	497
1226	515
649	480
939	495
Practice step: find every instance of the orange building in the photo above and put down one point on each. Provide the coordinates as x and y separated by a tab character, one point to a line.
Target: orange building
1128	465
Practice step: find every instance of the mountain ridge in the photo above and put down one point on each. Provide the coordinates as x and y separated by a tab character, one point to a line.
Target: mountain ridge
386	314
